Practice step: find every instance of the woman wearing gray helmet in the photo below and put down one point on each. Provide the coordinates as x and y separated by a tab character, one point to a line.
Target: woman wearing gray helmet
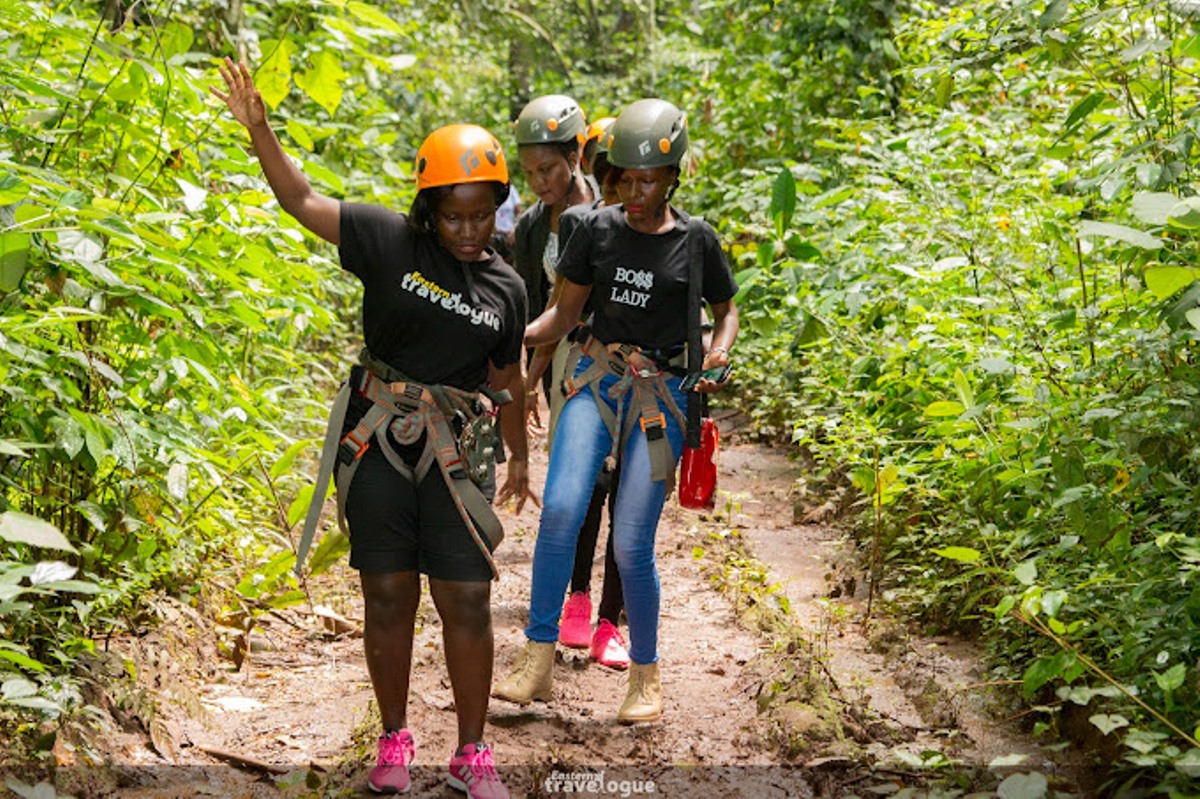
605	643
550	133
635	262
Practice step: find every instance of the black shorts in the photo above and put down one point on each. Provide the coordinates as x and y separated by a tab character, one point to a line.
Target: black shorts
396	526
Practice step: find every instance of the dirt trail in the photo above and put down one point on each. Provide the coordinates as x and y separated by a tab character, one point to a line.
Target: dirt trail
303	699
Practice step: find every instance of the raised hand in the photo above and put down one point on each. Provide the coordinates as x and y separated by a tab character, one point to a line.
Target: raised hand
243	99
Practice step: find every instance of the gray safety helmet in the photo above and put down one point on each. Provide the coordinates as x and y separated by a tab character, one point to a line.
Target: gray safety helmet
550	119
647	134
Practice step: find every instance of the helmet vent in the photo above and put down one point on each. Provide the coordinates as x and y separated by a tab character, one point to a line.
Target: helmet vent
470	162
491	157
421	166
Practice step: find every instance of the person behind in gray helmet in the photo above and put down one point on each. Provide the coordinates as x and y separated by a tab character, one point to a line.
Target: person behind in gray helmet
550	132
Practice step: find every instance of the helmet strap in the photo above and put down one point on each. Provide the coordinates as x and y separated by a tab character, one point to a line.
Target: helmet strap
574	187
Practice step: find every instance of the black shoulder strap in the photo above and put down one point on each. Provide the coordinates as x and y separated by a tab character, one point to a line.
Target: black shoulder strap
695	345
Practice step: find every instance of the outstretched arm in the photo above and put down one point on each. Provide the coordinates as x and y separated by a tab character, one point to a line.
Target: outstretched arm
318	213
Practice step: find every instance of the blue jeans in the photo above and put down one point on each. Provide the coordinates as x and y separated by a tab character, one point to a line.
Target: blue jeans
581	445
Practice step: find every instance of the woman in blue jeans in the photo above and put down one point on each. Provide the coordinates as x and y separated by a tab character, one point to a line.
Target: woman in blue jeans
625	403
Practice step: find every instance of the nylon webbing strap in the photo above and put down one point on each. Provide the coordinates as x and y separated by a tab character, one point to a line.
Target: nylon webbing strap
407	409
324	471
695	342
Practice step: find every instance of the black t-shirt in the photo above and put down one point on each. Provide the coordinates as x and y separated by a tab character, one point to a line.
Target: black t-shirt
639	280
429	315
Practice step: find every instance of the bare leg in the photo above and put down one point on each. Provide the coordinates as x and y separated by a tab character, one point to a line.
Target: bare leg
391	612
465	608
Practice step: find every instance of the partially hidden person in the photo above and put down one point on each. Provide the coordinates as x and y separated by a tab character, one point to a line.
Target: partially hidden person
414	451
604	642
550	132
506	224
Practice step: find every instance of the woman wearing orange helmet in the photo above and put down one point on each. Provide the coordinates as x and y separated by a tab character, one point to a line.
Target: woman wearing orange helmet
443	319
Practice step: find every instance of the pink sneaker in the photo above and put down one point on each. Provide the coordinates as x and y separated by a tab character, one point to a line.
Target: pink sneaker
474	773
608	647
576	628
396	750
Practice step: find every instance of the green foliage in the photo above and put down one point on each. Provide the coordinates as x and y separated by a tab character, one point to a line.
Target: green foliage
167	336
966	237
984	309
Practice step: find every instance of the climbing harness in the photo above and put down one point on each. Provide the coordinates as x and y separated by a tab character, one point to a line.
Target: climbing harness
409	409
643	374
640	376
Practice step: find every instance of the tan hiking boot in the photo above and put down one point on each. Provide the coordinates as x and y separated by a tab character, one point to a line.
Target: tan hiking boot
644	702
531	675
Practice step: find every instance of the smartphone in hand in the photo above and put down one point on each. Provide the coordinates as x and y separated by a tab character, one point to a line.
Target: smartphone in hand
718	374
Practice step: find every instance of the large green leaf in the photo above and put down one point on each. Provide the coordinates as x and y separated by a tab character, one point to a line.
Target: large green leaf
274	76
1171	679
20	658
133	86
12	189
176	39
323	83
14	256
1124	233
299	133
1055	12
25	529
1082	110
1045	669
944	408
321	173
1185	213
1023	786
960	554
1165	281
1153	207
783	201
373	16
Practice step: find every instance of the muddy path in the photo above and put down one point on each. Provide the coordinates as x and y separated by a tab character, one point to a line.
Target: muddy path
820	702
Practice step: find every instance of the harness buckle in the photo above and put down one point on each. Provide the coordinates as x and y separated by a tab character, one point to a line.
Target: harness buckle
351	449
654	426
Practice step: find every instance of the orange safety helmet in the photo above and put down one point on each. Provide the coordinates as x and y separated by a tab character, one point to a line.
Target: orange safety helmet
597	141
598	128
460	154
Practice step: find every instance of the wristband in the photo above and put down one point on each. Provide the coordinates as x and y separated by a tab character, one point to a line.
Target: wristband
719	349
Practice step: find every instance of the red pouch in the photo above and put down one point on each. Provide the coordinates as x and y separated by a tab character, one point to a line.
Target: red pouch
698	474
